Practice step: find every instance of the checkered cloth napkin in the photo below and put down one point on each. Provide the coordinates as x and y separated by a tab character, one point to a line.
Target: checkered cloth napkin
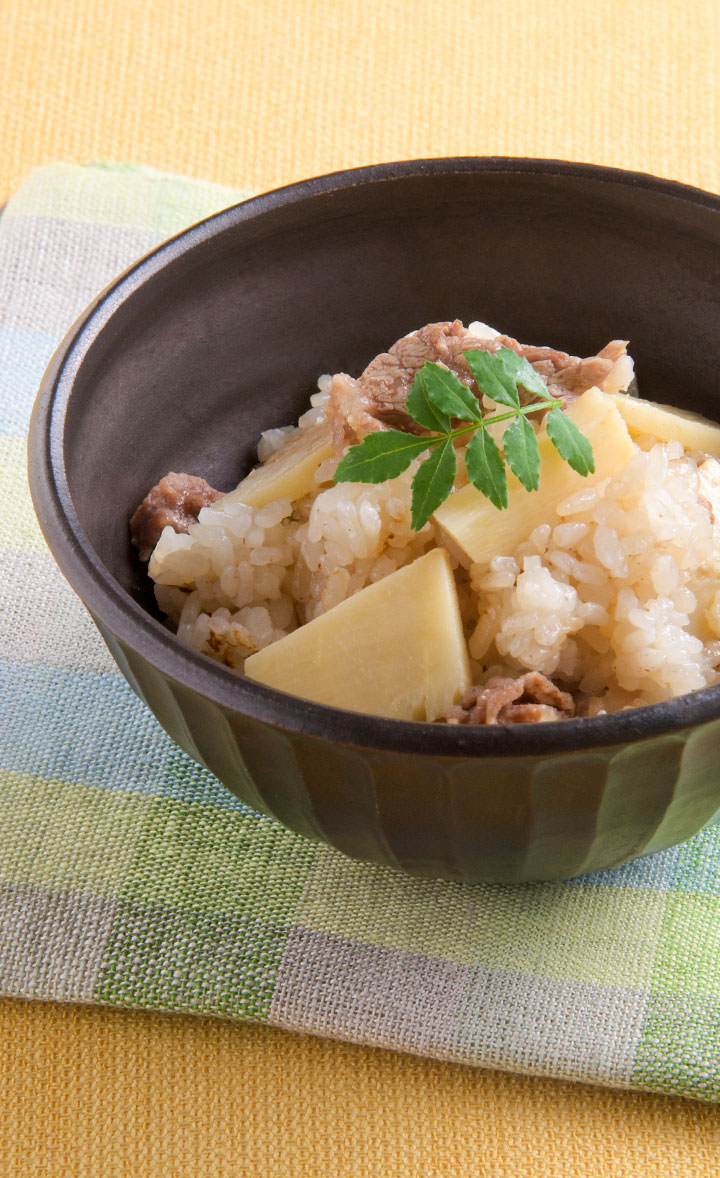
129	876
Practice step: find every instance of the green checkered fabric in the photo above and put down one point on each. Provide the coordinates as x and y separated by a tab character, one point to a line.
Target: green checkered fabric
130	876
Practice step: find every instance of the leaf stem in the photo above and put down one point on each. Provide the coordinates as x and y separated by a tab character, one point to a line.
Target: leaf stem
472	426
437	398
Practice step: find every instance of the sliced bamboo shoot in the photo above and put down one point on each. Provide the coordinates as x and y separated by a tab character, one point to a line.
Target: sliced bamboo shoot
668	424
394	649
290	473
475	531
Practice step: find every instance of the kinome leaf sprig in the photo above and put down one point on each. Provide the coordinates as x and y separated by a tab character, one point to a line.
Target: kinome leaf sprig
436	399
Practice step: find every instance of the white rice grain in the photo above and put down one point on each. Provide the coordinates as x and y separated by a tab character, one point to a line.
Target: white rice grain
617	595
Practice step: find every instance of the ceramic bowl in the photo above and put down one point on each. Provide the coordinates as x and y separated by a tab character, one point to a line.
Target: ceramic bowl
222	332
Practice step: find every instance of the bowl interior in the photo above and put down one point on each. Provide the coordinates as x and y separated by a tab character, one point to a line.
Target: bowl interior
224	331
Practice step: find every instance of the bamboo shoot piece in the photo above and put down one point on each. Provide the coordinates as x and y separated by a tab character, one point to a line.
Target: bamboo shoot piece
668	424
395	649
475	531
290	472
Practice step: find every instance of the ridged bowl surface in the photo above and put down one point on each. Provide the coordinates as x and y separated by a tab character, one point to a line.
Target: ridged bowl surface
222	332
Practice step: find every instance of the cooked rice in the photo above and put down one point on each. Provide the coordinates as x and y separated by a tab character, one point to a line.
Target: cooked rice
243	577
617	596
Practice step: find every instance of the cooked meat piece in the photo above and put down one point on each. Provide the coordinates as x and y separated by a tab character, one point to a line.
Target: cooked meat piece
532	698
176	500
565	374
531	714
376	400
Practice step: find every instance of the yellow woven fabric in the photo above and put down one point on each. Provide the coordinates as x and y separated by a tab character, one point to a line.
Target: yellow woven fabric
260	92
257	94
96	1093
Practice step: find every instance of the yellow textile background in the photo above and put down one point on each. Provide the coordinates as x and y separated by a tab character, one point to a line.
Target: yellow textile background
261	92
258	94
110	1094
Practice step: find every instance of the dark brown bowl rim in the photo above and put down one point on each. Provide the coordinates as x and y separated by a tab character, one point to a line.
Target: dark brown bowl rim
111	605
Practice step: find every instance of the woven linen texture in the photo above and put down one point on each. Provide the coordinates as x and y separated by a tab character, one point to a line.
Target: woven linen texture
129	876
271	92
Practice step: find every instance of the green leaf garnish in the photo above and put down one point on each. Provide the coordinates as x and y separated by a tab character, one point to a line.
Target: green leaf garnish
569	442
519	370
432	483
492	378
383	454
422	405
437	398
522	454
486	468
448	395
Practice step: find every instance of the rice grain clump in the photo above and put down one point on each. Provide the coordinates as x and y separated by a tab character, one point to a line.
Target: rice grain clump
615	597
243	577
